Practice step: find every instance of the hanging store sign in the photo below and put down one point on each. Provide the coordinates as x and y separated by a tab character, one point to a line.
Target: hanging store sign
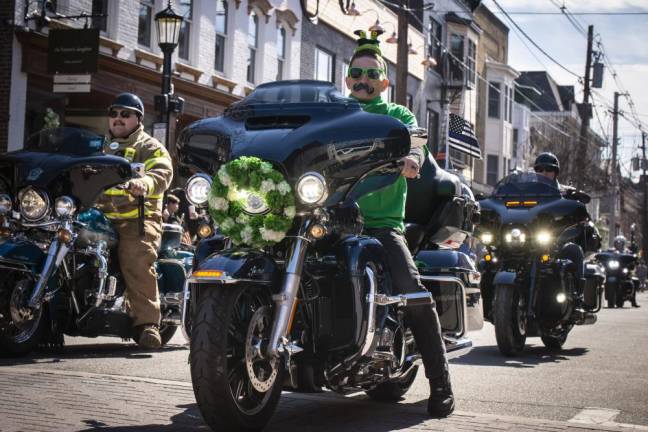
73	51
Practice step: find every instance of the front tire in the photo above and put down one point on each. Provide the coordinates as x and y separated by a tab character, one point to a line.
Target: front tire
510	320
229	324
21	328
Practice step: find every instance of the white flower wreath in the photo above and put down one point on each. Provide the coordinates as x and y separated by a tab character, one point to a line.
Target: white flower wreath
251	180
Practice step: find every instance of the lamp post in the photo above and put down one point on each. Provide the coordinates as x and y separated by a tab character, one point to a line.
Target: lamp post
168	30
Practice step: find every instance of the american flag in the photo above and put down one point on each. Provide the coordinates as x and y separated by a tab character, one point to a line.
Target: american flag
461	137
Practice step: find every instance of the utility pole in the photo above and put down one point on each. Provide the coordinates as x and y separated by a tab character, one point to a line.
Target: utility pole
402	53
644	213
615	185
581	168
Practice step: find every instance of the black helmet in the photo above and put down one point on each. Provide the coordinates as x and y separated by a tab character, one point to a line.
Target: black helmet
129	101
547	160
619	243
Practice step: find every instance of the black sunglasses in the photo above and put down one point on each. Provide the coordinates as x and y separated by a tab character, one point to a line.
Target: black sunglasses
123	114
544	169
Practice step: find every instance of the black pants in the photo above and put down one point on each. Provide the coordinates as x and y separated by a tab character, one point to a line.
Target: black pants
423	320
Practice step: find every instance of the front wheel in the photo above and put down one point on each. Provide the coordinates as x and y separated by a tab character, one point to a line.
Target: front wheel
21	327
510	320
236	386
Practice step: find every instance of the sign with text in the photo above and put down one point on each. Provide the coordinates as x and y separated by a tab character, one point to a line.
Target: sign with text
73	51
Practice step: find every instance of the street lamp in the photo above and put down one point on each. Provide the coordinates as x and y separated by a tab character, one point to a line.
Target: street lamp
168	30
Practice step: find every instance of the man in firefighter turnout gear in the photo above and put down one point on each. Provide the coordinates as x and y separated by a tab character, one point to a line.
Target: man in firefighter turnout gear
139	226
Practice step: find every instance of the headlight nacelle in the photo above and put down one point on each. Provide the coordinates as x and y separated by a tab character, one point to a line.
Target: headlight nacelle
5	204
311	188
34	204
197	189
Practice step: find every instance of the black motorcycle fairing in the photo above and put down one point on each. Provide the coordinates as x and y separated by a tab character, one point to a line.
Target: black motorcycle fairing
328	135
245	265
83	177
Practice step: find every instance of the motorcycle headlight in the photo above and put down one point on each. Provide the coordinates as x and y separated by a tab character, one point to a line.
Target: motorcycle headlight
486	238
5	204
34	204
253	203
64	206
311	188
543	237
625	271
613	264
515	236
197	189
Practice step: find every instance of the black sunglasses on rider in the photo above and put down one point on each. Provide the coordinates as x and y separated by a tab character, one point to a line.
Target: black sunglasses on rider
123	114
540	169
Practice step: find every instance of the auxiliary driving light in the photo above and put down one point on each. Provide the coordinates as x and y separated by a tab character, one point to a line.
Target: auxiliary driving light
318	231
561	297
204	231
545	258
486	238
543	237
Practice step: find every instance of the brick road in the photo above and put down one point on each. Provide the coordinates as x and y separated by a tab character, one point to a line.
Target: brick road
34	400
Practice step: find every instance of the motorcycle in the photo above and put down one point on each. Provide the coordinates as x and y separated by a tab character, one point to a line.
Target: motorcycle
620	284
535	241
57	252
316	308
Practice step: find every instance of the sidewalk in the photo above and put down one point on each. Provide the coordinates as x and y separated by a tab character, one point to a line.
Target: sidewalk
34	400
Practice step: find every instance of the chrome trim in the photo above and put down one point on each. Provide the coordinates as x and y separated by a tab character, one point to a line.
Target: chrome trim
403	299
102	271
289	290
457	281
322	179
371	319
48	268
183	309
40	224
457	347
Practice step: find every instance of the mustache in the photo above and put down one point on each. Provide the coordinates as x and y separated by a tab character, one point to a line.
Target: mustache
363	86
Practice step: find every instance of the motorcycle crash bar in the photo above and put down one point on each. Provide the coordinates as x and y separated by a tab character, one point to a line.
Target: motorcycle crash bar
412	299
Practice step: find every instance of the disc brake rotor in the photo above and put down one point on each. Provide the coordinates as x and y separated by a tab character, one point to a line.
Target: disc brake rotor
261	370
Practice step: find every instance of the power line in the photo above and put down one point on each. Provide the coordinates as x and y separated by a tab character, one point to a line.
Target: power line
534	43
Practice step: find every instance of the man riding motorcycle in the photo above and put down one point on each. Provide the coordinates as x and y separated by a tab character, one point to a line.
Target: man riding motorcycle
619	244
136	212
384	212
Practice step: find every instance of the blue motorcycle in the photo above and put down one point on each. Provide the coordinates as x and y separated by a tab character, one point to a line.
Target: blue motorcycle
57	251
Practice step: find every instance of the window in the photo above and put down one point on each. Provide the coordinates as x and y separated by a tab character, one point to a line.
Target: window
345	71
457	51
432	118
470	62
100	7
145	23
253	40
515	142
492	169
281	51
221	35
506	103
510	103
410	101
494	90
185	9
323	65
434	42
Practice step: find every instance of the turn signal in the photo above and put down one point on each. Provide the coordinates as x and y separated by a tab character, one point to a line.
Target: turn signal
205	231
545	258
208	273
64	235
488	258
317	231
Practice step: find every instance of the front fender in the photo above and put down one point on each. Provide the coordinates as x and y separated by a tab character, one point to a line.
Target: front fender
504	278
237	265
22	254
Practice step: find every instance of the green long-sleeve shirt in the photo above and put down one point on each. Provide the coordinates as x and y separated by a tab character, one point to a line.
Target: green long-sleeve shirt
385	208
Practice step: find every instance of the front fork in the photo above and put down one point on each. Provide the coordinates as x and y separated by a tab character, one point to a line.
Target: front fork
286	300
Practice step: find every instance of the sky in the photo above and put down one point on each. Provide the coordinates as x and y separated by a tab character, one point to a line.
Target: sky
623	40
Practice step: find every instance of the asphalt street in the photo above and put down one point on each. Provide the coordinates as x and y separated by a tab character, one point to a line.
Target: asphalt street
599	379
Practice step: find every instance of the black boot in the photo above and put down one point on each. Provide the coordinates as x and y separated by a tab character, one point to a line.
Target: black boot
441	402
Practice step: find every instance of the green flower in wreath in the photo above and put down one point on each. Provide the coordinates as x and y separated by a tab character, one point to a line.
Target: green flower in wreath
251	202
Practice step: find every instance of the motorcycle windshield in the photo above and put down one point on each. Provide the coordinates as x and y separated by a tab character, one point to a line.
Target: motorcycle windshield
526	184
68	141
300	127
